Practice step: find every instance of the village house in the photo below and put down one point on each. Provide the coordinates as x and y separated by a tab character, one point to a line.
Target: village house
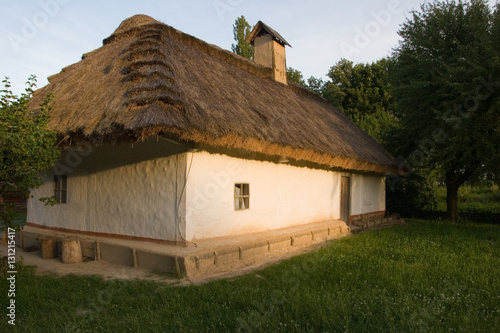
166	138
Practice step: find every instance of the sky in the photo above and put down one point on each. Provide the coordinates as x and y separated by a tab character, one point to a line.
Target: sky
43	36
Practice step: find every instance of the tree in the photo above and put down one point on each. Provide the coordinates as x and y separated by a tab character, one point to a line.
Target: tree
363	93
316	85
295	75
444	75
27	147
241	30
414	193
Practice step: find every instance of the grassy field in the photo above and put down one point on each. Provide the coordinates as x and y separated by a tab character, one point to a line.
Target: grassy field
472	199
417	277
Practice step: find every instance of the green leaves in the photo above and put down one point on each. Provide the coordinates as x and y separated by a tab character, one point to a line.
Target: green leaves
295	75
241	30
444	75
363	93
27	147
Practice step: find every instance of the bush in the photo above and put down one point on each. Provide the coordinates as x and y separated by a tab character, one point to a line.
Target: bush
410	195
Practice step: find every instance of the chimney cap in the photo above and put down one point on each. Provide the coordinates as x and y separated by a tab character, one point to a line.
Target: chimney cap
262	28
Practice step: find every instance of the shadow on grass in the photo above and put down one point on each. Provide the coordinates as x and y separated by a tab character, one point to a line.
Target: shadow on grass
480	217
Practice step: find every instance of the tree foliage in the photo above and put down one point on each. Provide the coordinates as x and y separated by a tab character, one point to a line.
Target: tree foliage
241	30
295	75
363	93
27	147
316	85
416	193
445	75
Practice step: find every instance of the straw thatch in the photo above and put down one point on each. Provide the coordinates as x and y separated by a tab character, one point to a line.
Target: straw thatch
149	78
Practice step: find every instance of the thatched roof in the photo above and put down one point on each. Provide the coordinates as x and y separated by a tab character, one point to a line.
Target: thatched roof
149	78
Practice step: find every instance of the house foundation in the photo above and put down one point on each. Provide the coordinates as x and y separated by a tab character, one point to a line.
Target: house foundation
370	220
201	259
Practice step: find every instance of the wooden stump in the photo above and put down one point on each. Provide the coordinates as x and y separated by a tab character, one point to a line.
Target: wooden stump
49	247
71	251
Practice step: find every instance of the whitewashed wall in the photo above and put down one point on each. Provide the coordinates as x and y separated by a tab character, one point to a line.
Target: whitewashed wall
138	190
280	195
367	194
128	189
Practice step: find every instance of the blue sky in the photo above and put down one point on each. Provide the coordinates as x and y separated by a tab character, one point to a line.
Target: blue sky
43	36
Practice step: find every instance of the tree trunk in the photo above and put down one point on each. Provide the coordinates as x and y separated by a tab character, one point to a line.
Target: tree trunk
455	179
452	199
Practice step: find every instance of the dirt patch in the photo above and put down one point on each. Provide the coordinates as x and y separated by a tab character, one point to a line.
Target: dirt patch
99	268
110	271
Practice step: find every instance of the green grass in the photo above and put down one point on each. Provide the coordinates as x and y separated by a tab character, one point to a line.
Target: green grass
472	199
417	277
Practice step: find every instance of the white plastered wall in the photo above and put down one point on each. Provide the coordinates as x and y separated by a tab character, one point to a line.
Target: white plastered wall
280	195
367	194
132	190
139	191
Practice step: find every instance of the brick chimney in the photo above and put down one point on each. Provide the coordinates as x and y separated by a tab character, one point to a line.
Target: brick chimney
269	50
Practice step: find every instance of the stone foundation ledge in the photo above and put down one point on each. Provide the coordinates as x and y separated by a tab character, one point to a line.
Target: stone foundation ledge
202	259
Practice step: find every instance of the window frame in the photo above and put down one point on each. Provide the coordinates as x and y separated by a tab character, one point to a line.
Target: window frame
241	199
61	189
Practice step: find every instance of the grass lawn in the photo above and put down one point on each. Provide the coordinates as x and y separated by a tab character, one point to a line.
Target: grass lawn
472	199
417	277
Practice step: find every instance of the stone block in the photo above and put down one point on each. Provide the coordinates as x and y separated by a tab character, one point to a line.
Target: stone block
117	254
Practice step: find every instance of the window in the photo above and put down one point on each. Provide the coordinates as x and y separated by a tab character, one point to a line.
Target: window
60	188
241	196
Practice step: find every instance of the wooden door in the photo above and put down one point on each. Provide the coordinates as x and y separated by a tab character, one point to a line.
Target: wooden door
345	198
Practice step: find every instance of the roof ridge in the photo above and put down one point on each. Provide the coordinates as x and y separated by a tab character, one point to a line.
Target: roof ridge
222	54
214	50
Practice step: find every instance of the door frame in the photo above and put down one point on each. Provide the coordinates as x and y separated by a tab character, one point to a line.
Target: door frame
345	197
